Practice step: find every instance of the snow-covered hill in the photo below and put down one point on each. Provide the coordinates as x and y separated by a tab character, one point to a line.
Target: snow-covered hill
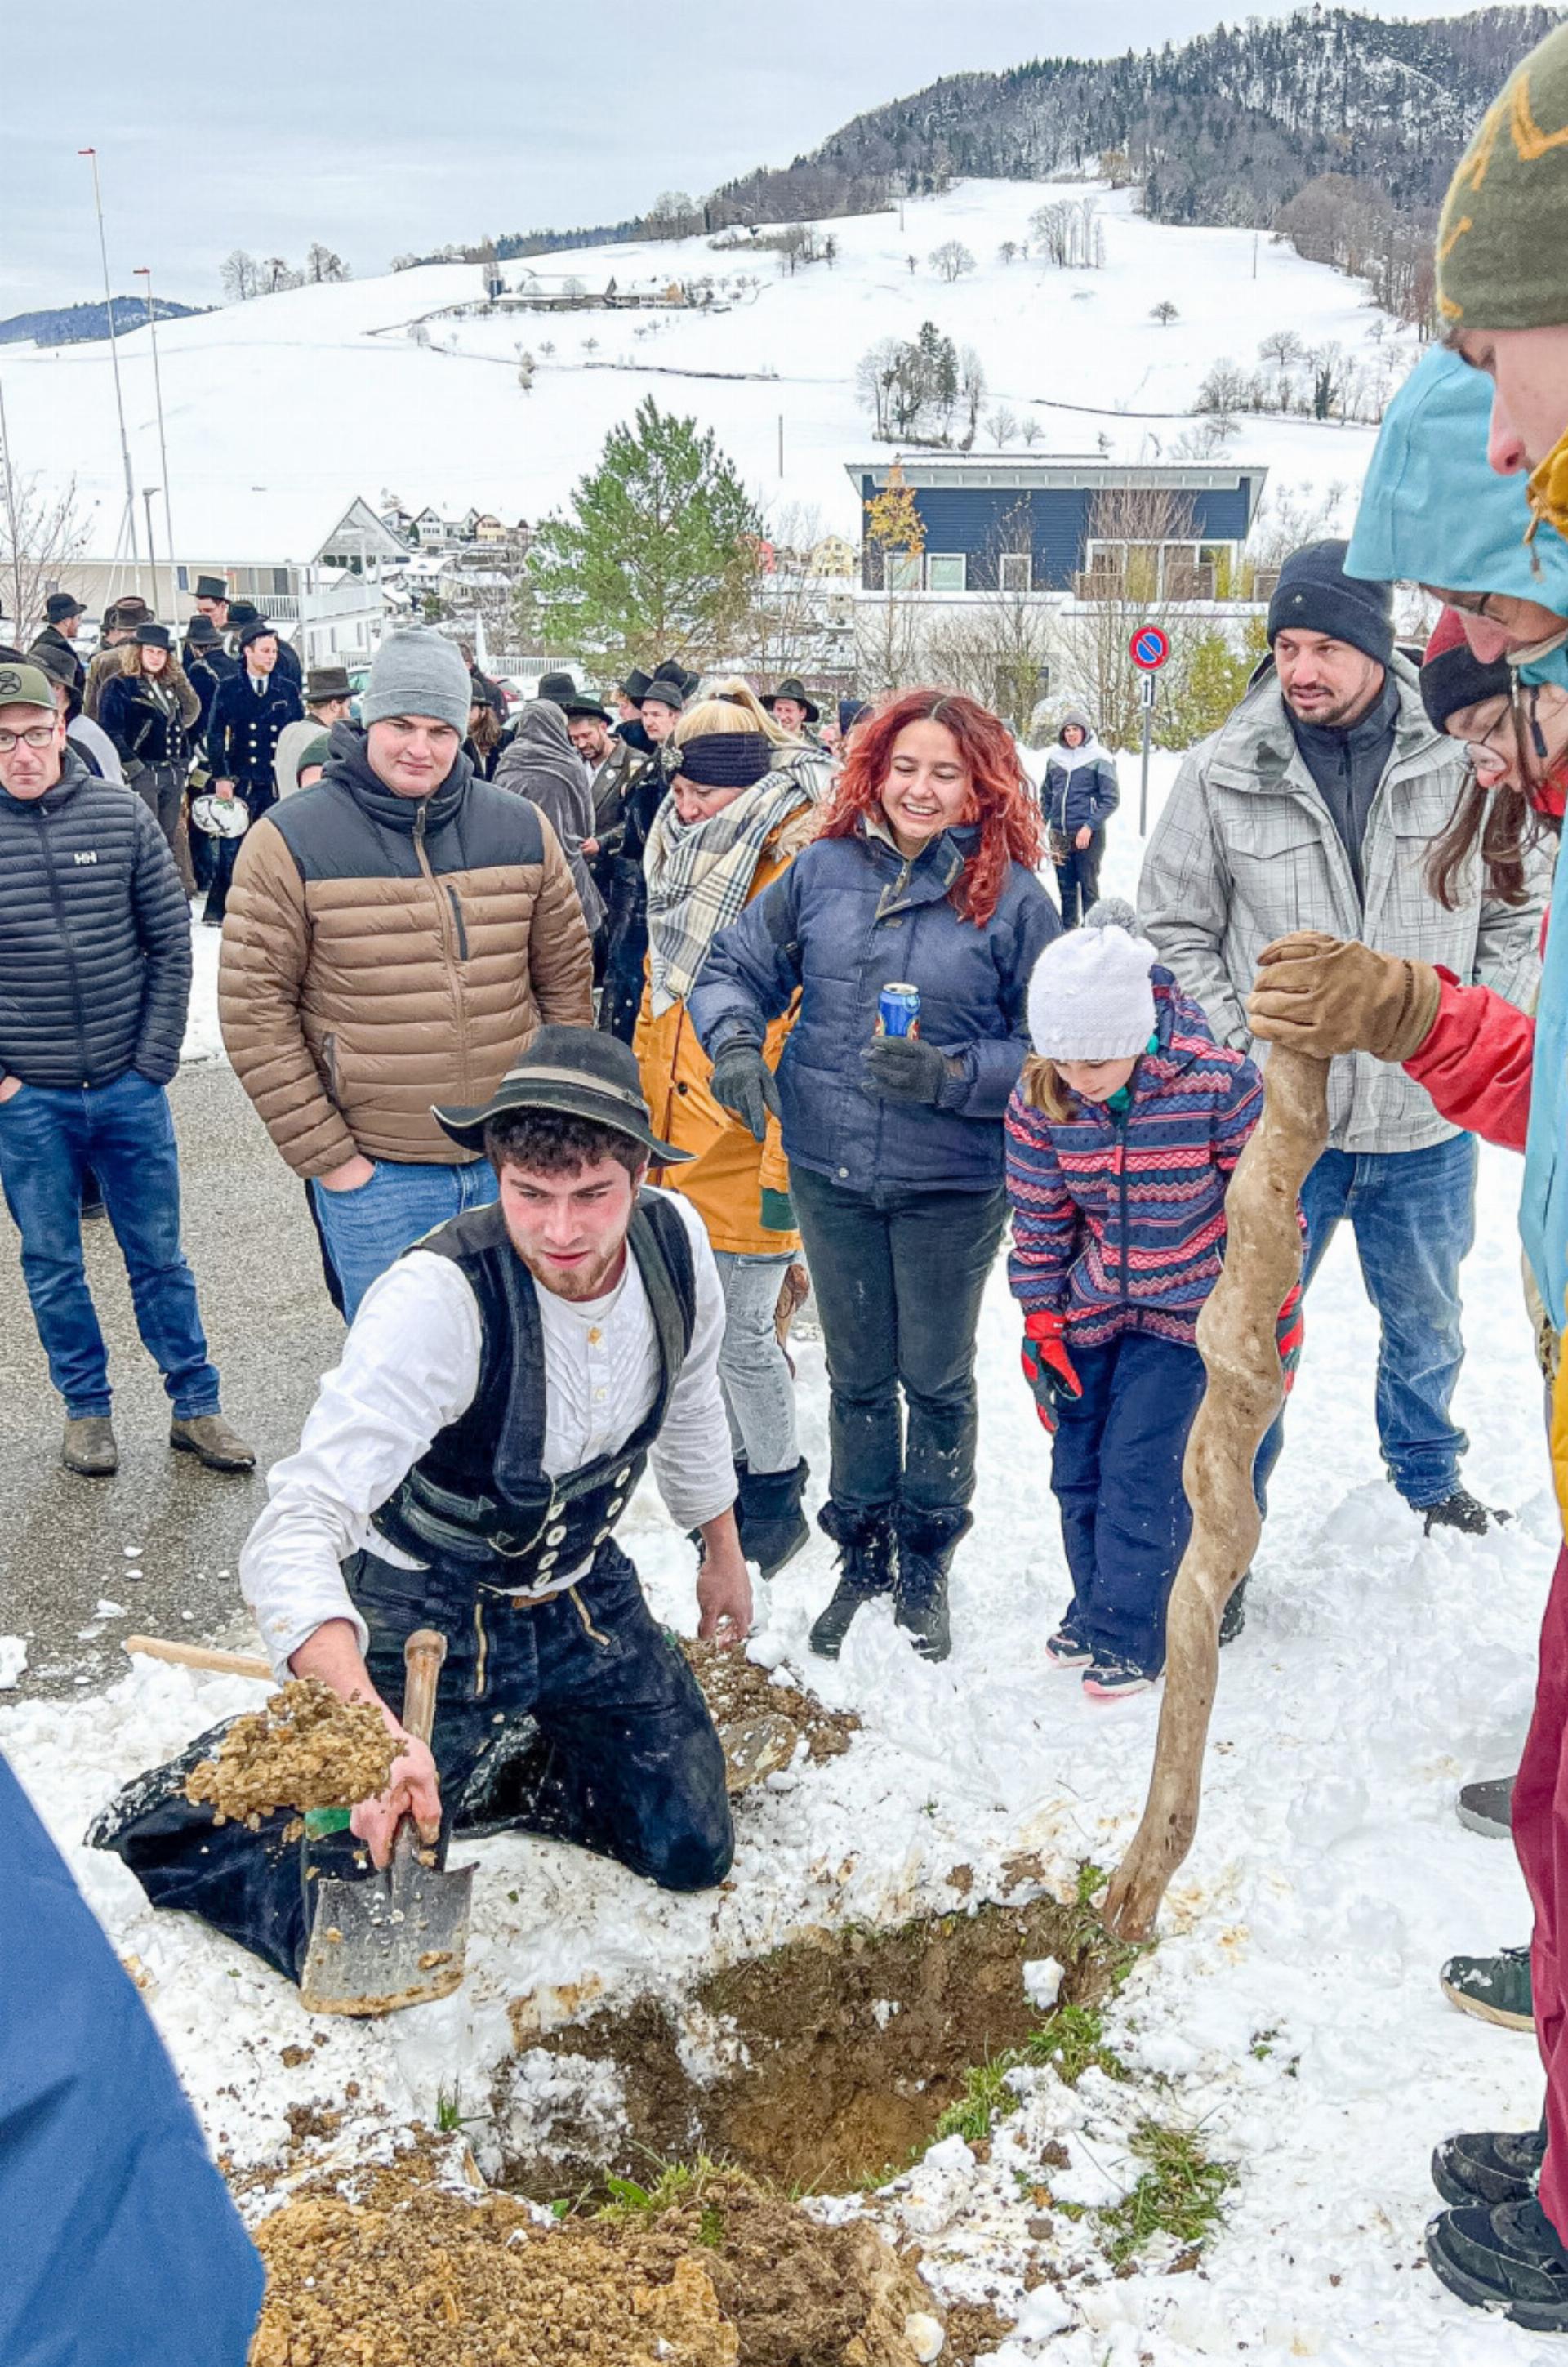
281	410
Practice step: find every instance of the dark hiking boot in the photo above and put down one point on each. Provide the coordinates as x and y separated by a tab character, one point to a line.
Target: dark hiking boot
211	1439
1495	1989
927	1543
1506	2258
89	1446
1487	1808
767	1511
1489	2166
1461	1512
865	1568
1233	1618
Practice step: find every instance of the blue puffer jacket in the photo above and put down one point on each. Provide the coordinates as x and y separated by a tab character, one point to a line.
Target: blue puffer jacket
1080	787
849	917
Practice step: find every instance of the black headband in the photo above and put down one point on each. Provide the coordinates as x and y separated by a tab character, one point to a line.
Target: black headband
726	760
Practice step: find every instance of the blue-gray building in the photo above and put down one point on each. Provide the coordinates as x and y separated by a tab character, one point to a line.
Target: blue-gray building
1062	525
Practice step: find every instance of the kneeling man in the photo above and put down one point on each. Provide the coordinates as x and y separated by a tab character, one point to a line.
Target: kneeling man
465	1467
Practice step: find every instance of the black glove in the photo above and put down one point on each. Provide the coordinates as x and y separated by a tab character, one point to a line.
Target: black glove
905	1069
742	1082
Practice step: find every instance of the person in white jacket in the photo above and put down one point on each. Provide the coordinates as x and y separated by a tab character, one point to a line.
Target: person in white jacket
465	1468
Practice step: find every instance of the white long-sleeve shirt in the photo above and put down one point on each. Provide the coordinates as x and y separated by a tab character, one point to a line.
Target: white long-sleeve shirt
410	1365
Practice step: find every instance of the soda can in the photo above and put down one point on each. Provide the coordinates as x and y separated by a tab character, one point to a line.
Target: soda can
898	1010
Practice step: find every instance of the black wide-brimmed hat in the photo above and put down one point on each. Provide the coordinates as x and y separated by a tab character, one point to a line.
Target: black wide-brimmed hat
557	687
61	606
243	612
155	637
635	686
201	633
327	682
667	686
792	688
257	629
211	587
582	702
581	1071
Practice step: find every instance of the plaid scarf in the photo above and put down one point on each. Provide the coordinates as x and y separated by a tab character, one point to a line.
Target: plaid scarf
699	873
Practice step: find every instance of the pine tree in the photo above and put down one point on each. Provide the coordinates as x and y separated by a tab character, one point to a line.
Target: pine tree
659	553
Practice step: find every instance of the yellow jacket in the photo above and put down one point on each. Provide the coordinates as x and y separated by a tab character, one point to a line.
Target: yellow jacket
730	1169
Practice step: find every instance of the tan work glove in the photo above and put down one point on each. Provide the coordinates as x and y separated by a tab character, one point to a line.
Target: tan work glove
1323	995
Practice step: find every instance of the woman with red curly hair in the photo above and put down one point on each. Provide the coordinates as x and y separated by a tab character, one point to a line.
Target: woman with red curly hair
923	874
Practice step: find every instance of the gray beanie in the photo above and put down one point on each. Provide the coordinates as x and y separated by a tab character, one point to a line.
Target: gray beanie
419	672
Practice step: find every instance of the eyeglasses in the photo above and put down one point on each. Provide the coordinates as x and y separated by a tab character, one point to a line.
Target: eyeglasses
1521	719
37	735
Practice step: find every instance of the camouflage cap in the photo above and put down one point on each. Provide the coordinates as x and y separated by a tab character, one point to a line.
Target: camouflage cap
26	686
1503	238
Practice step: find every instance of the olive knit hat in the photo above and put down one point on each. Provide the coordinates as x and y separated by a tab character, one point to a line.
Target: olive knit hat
1503	238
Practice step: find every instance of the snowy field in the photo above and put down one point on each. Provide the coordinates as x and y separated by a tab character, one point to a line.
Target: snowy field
1292	2004
279	410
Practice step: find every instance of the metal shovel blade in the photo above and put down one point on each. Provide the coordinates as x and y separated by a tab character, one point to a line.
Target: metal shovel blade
397	1939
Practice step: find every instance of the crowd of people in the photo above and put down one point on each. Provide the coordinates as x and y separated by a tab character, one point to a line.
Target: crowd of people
596	1043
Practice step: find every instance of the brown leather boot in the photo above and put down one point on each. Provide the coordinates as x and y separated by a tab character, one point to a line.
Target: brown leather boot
88	1447
209	1438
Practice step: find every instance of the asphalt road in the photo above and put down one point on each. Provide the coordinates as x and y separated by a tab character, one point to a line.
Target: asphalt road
272	1333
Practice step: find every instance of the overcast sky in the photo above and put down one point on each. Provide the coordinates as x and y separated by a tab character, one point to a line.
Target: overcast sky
384	125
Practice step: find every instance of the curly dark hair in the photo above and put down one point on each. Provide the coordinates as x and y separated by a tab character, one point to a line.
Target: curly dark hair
554	1142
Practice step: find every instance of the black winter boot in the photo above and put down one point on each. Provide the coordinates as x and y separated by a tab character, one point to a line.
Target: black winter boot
864	1540
767	1511
927	1543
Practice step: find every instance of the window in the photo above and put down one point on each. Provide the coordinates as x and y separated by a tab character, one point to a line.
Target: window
1015	572
279	578
182	574
945	571
902	571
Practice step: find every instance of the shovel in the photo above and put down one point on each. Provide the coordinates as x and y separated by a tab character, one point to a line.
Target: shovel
399	1937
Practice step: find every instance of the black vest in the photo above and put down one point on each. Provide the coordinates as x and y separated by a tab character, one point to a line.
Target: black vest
480	1495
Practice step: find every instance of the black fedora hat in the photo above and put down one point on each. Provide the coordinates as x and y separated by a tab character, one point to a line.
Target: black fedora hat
61	606
557	687
792	688
635	686
154	636
256	629
201	633
243	612
583	1072
582	702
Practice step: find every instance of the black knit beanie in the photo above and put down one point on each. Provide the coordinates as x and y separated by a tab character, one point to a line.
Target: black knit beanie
726	760
1315	595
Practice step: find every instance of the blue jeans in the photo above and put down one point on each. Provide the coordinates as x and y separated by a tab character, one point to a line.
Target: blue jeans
366	1229
1413	1213
1116	1474
578	1717
124	1132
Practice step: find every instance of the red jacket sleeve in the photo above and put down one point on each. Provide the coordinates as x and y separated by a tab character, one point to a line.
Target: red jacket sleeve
1476	1063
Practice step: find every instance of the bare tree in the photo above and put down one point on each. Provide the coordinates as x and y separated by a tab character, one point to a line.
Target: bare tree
1007	249
1132	575
950	260
997	648
240	277
1002	424
1030	430
320	263
971	385
40	535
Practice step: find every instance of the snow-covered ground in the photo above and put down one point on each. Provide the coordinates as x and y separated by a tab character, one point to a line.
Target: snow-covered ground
279	412
1329	1878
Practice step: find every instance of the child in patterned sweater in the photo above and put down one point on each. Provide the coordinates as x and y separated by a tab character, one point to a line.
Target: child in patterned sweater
1122	1137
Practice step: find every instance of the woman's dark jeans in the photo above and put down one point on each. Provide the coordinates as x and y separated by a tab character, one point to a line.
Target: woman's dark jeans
899	1274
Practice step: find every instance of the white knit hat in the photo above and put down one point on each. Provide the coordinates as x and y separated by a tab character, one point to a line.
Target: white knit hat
1089	996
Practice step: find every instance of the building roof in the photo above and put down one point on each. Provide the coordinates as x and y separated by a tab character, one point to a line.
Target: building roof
1054	471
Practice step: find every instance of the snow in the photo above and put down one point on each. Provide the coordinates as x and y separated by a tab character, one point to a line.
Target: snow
1292	2010
279	412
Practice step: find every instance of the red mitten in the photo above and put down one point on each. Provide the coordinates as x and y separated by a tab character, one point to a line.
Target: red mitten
1047	1367
1289	1331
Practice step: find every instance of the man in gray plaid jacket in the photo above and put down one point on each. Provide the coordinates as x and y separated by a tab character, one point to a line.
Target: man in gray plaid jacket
1315	807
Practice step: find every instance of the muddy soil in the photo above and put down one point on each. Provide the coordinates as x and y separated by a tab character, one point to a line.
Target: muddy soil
737	1689
723	2273
820	2067
305	1748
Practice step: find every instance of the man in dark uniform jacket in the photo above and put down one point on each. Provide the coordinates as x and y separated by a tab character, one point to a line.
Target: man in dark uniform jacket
57	642
248	714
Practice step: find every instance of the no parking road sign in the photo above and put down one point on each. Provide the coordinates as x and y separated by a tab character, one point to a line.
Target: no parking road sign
1149	648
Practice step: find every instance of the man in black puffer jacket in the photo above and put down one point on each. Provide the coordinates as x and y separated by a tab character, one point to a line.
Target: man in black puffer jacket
95	977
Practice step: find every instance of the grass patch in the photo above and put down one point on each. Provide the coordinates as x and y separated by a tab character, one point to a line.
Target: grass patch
985	2097
1072	2041
1178	2194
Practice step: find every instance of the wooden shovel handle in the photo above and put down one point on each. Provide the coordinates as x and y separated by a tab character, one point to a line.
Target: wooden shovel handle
424	1653
199	1655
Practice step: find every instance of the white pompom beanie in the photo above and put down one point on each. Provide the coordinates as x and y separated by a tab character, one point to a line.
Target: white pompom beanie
1090	995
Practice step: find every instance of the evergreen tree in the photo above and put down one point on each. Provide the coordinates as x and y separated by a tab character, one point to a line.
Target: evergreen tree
659	553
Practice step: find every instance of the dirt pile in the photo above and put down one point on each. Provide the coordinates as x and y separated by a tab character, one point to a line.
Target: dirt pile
844	2050
304	1748
736	1690
710	2272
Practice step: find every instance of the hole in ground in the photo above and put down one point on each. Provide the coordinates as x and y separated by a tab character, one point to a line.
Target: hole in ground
820	2068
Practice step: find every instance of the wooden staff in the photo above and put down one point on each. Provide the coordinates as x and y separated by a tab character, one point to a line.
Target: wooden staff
1237	1340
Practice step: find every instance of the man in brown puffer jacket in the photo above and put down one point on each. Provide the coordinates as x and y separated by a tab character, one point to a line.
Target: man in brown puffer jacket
394	937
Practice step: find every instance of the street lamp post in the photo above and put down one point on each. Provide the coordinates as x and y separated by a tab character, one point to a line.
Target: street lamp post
143	272
147	494
114	358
